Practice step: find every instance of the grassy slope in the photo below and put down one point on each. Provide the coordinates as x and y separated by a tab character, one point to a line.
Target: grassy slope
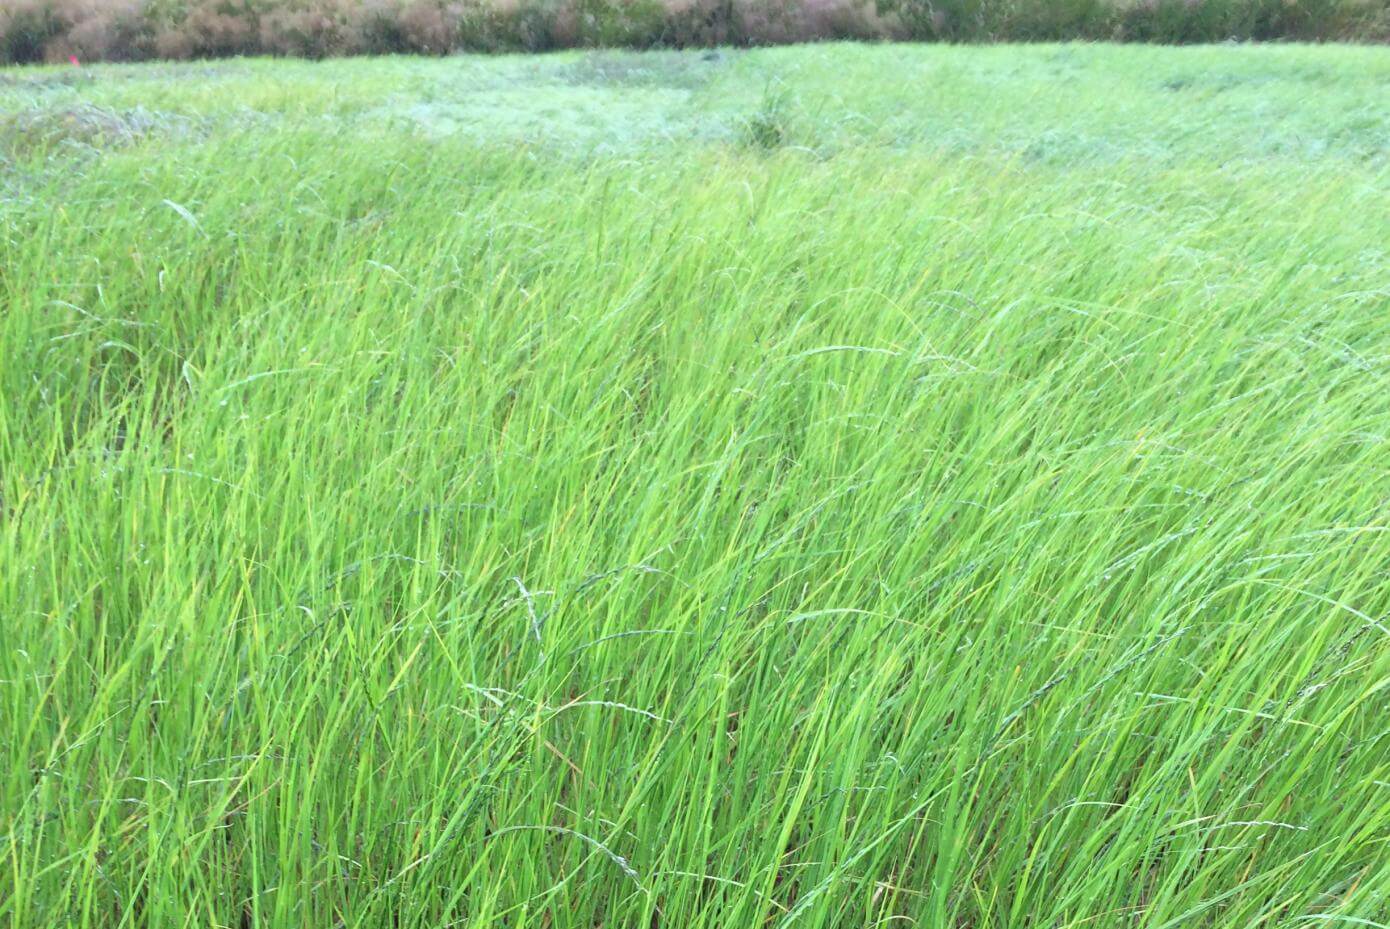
501	493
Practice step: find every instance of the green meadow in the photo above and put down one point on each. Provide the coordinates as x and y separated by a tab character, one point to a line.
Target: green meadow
821	487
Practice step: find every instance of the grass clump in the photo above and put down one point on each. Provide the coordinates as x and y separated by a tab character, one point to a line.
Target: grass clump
979	522
769	126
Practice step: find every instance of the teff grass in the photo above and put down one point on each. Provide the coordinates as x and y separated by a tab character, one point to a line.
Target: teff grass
413	531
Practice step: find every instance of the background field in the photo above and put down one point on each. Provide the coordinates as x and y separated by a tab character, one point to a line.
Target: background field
823	487
130	30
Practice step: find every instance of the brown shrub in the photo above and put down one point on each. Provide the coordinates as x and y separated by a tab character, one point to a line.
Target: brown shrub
764	22
429	27
107	30
222	27
27	27
319	30
377	27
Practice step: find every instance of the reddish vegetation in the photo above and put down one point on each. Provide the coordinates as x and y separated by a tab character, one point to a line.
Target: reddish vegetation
55	30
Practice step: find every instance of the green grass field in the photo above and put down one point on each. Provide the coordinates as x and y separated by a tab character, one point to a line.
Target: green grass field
837	486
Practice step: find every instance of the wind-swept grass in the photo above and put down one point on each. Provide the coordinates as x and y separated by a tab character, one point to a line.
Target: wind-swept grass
890	525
